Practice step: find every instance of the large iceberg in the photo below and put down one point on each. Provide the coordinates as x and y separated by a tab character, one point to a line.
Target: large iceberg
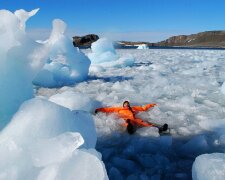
66	65
21	60
40	139
41	142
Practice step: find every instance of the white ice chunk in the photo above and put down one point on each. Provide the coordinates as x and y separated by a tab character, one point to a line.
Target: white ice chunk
53	150
104	54
148	132
21	59
209	166
103	45
143	46
39	118
82	165
66	65
41	142
23	16
75	101
213	125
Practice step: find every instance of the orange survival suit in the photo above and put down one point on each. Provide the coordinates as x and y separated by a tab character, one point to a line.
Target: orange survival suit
128	113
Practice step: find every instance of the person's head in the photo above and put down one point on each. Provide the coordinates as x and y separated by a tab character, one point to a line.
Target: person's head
126	104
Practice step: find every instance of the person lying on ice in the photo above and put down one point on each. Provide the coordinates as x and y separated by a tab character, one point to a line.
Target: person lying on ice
128	114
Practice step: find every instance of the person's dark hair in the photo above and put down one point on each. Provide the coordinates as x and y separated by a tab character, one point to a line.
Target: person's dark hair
129	107
126	102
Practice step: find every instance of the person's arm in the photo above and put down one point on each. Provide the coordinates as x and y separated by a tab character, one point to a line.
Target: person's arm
108	109
143	108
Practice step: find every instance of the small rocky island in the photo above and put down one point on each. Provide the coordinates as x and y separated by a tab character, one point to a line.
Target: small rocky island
84	41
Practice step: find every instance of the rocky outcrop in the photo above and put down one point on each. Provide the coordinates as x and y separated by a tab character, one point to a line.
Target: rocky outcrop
84	41
203	39
208	39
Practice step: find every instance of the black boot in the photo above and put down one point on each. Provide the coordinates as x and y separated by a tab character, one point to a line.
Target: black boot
130	127
163	128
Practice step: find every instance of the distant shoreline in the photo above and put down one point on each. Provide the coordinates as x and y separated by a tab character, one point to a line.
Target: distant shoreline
209	40
173	47
165	47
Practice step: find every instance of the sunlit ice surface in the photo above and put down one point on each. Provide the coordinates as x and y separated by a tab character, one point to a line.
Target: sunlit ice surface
186	85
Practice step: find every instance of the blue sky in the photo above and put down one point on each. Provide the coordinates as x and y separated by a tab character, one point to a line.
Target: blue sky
149	20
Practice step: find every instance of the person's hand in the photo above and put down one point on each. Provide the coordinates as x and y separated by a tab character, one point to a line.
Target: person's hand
150	105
